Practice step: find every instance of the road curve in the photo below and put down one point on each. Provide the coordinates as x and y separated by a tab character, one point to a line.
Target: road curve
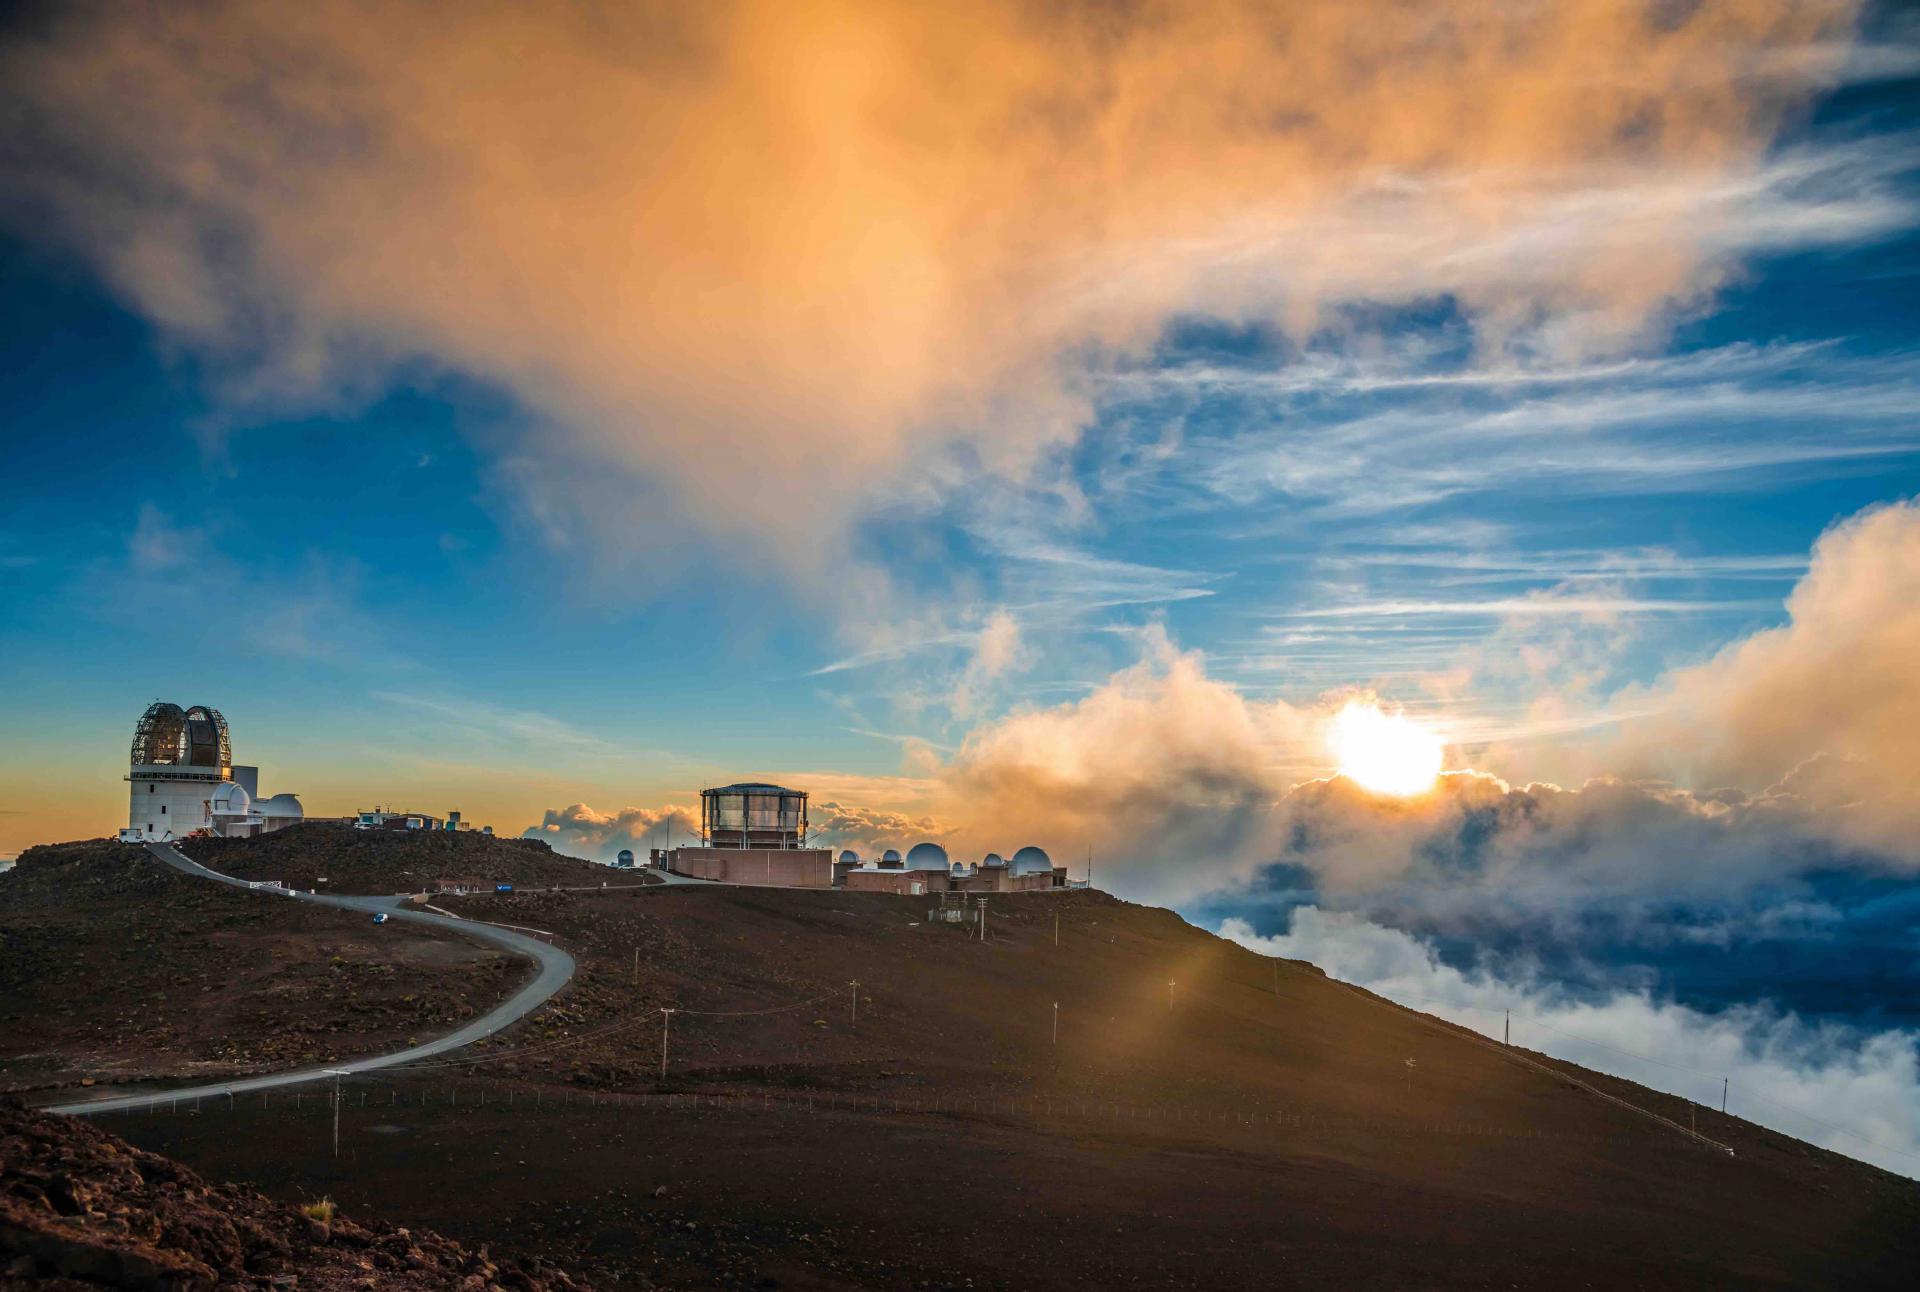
556	968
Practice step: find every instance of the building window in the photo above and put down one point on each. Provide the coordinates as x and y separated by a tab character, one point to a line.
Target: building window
163	809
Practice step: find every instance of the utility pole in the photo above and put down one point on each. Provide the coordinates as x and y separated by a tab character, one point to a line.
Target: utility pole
337	1074
1056	928
1723	1096
1507	1038
855	984
1089	865
666	1025
1056	1024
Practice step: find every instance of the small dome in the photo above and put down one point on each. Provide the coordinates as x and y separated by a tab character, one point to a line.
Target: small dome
927	856
626	857
848	857
994	859
285	806
229	799
891	857
1032	861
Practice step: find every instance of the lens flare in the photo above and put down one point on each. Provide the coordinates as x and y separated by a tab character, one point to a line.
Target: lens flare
1387	753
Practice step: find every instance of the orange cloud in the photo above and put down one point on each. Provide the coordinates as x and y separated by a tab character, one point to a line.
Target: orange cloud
754	254
1824	709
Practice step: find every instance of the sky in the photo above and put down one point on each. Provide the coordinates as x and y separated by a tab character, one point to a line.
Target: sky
1026	425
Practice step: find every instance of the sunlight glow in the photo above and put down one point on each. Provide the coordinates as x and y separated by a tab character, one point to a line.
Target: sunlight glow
1387	753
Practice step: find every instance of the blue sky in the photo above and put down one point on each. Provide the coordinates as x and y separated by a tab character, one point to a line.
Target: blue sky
545	422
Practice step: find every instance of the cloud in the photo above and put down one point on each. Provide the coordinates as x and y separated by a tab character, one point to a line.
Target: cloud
1168	773
1185	784
870	831
584	831
997	651
522	729
741	262
1848	1089
1826	708
580	831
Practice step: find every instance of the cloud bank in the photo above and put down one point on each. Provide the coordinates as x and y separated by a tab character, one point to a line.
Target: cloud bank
580	831
1827	705
745	254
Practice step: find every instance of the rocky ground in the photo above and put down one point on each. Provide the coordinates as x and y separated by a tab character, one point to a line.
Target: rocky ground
114	966
82	1209
340	859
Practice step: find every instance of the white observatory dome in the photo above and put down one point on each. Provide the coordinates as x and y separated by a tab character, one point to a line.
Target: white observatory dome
927	856
229	799
994	859
848	857
891	857
283	807
1032	861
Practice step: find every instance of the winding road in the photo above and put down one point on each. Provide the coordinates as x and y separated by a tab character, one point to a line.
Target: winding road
556	968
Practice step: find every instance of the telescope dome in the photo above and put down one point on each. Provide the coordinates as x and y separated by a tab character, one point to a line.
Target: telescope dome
1032	861
284	807
927	856
169	736
229	799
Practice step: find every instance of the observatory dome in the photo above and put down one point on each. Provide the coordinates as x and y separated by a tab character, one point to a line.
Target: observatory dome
229	799
891	857
993	859
927	856
848	857
283	806
169	736
1032	861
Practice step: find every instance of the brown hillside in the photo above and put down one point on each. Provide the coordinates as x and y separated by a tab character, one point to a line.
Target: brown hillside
340	859
1262	1130
115	966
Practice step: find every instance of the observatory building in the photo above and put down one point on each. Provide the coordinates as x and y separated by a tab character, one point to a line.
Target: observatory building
756	834
752	833
182	780
927	869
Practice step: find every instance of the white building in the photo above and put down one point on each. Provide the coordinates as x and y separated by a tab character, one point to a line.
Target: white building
182	780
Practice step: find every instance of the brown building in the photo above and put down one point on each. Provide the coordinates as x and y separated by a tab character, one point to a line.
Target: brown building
767	867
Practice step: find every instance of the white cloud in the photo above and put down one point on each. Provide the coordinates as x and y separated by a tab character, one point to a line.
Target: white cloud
580	831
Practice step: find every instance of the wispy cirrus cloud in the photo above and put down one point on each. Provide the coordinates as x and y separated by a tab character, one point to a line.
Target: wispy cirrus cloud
530	731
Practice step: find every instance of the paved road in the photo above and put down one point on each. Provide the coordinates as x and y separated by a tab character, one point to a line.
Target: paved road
556	967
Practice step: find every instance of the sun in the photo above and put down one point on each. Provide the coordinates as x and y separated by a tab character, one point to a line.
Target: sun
1387	753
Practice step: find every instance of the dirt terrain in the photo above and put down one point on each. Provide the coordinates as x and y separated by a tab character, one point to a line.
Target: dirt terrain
80	1208
116	966
335	858
1208	1118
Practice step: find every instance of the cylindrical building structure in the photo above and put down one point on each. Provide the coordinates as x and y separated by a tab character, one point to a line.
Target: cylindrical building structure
753	815
179	758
